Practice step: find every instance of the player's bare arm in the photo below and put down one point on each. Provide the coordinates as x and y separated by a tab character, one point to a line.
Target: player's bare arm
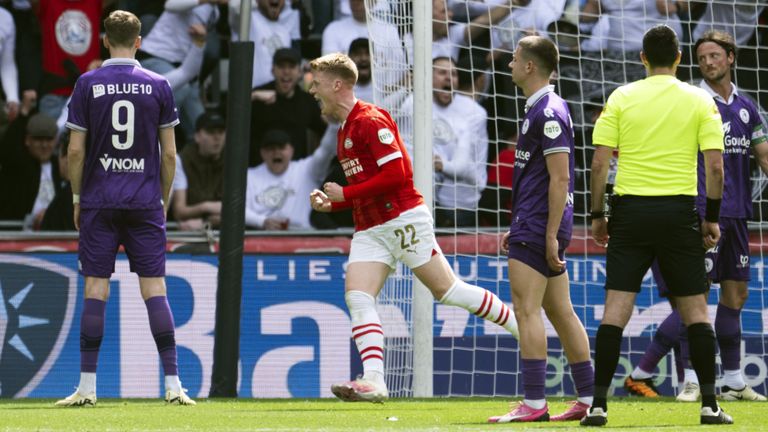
600	163
761	155
167	163
75	161
559	179
713	166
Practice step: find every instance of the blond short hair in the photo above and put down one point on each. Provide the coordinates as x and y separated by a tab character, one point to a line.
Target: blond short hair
337	64
122	28
542	51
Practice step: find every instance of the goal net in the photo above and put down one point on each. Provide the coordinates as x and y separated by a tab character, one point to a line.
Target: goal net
599	45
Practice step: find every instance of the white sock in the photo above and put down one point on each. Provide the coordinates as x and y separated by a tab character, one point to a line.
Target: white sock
367	333
172	383
691	377
586	400
482	303
87	383
734	379
535	403
640	374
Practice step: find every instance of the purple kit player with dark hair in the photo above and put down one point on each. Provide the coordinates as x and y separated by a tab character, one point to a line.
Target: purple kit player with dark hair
121	179
727	263
542	221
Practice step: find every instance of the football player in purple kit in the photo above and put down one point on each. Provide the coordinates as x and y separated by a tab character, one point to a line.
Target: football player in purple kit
121	179
728	262
542	221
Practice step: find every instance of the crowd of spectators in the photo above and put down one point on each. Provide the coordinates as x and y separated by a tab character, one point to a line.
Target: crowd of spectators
46	44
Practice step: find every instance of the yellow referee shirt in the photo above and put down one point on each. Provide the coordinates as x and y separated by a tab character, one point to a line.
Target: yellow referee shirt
659	124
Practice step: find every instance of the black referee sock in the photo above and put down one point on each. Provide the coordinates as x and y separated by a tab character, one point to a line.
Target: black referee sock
607	351
702	345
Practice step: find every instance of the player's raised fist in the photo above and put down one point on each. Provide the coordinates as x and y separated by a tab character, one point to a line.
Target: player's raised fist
319	201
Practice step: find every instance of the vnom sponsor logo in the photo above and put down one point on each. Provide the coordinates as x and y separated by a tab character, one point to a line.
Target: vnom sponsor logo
122	165
37	301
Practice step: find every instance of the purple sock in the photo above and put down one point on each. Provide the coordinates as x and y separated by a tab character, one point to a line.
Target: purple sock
161	324
679	368
534	375
666	337
91	333
728	330
583	378
685	353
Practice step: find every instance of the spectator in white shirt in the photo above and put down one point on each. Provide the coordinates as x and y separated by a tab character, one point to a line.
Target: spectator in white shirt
531	17
460	145
627	21
175	46
449	37
339	35
273	26
277	189
9	74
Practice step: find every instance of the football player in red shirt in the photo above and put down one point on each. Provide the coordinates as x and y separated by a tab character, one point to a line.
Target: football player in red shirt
391	223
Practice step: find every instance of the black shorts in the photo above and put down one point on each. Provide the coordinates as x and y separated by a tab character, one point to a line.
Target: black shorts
665	228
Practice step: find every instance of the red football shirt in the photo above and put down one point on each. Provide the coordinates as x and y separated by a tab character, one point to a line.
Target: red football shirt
70	30
367	140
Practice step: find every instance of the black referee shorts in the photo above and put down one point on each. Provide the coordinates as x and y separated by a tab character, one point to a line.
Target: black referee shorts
665	228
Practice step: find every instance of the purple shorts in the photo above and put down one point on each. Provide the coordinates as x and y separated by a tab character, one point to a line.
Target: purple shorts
141	232
660	284
729	260
535	256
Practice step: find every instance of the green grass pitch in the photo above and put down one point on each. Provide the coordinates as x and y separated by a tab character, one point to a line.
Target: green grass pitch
327	414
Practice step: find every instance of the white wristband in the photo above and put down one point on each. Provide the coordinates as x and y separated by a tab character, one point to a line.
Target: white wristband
75	198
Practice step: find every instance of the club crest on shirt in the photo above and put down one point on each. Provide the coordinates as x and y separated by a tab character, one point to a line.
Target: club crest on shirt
348	143
274	196
744	114
526	123
442	131
552	129
73	32
386	136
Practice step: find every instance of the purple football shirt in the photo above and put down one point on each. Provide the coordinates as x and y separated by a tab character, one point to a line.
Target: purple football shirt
547	128
121	107
743	128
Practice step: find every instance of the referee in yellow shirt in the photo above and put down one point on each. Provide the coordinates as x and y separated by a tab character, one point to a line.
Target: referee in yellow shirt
659	125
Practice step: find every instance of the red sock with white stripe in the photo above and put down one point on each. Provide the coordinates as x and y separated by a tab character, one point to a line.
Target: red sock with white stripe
482	303
367	333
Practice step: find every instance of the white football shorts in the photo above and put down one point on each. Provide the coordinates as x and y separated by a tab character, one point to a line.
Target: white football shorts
409	238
